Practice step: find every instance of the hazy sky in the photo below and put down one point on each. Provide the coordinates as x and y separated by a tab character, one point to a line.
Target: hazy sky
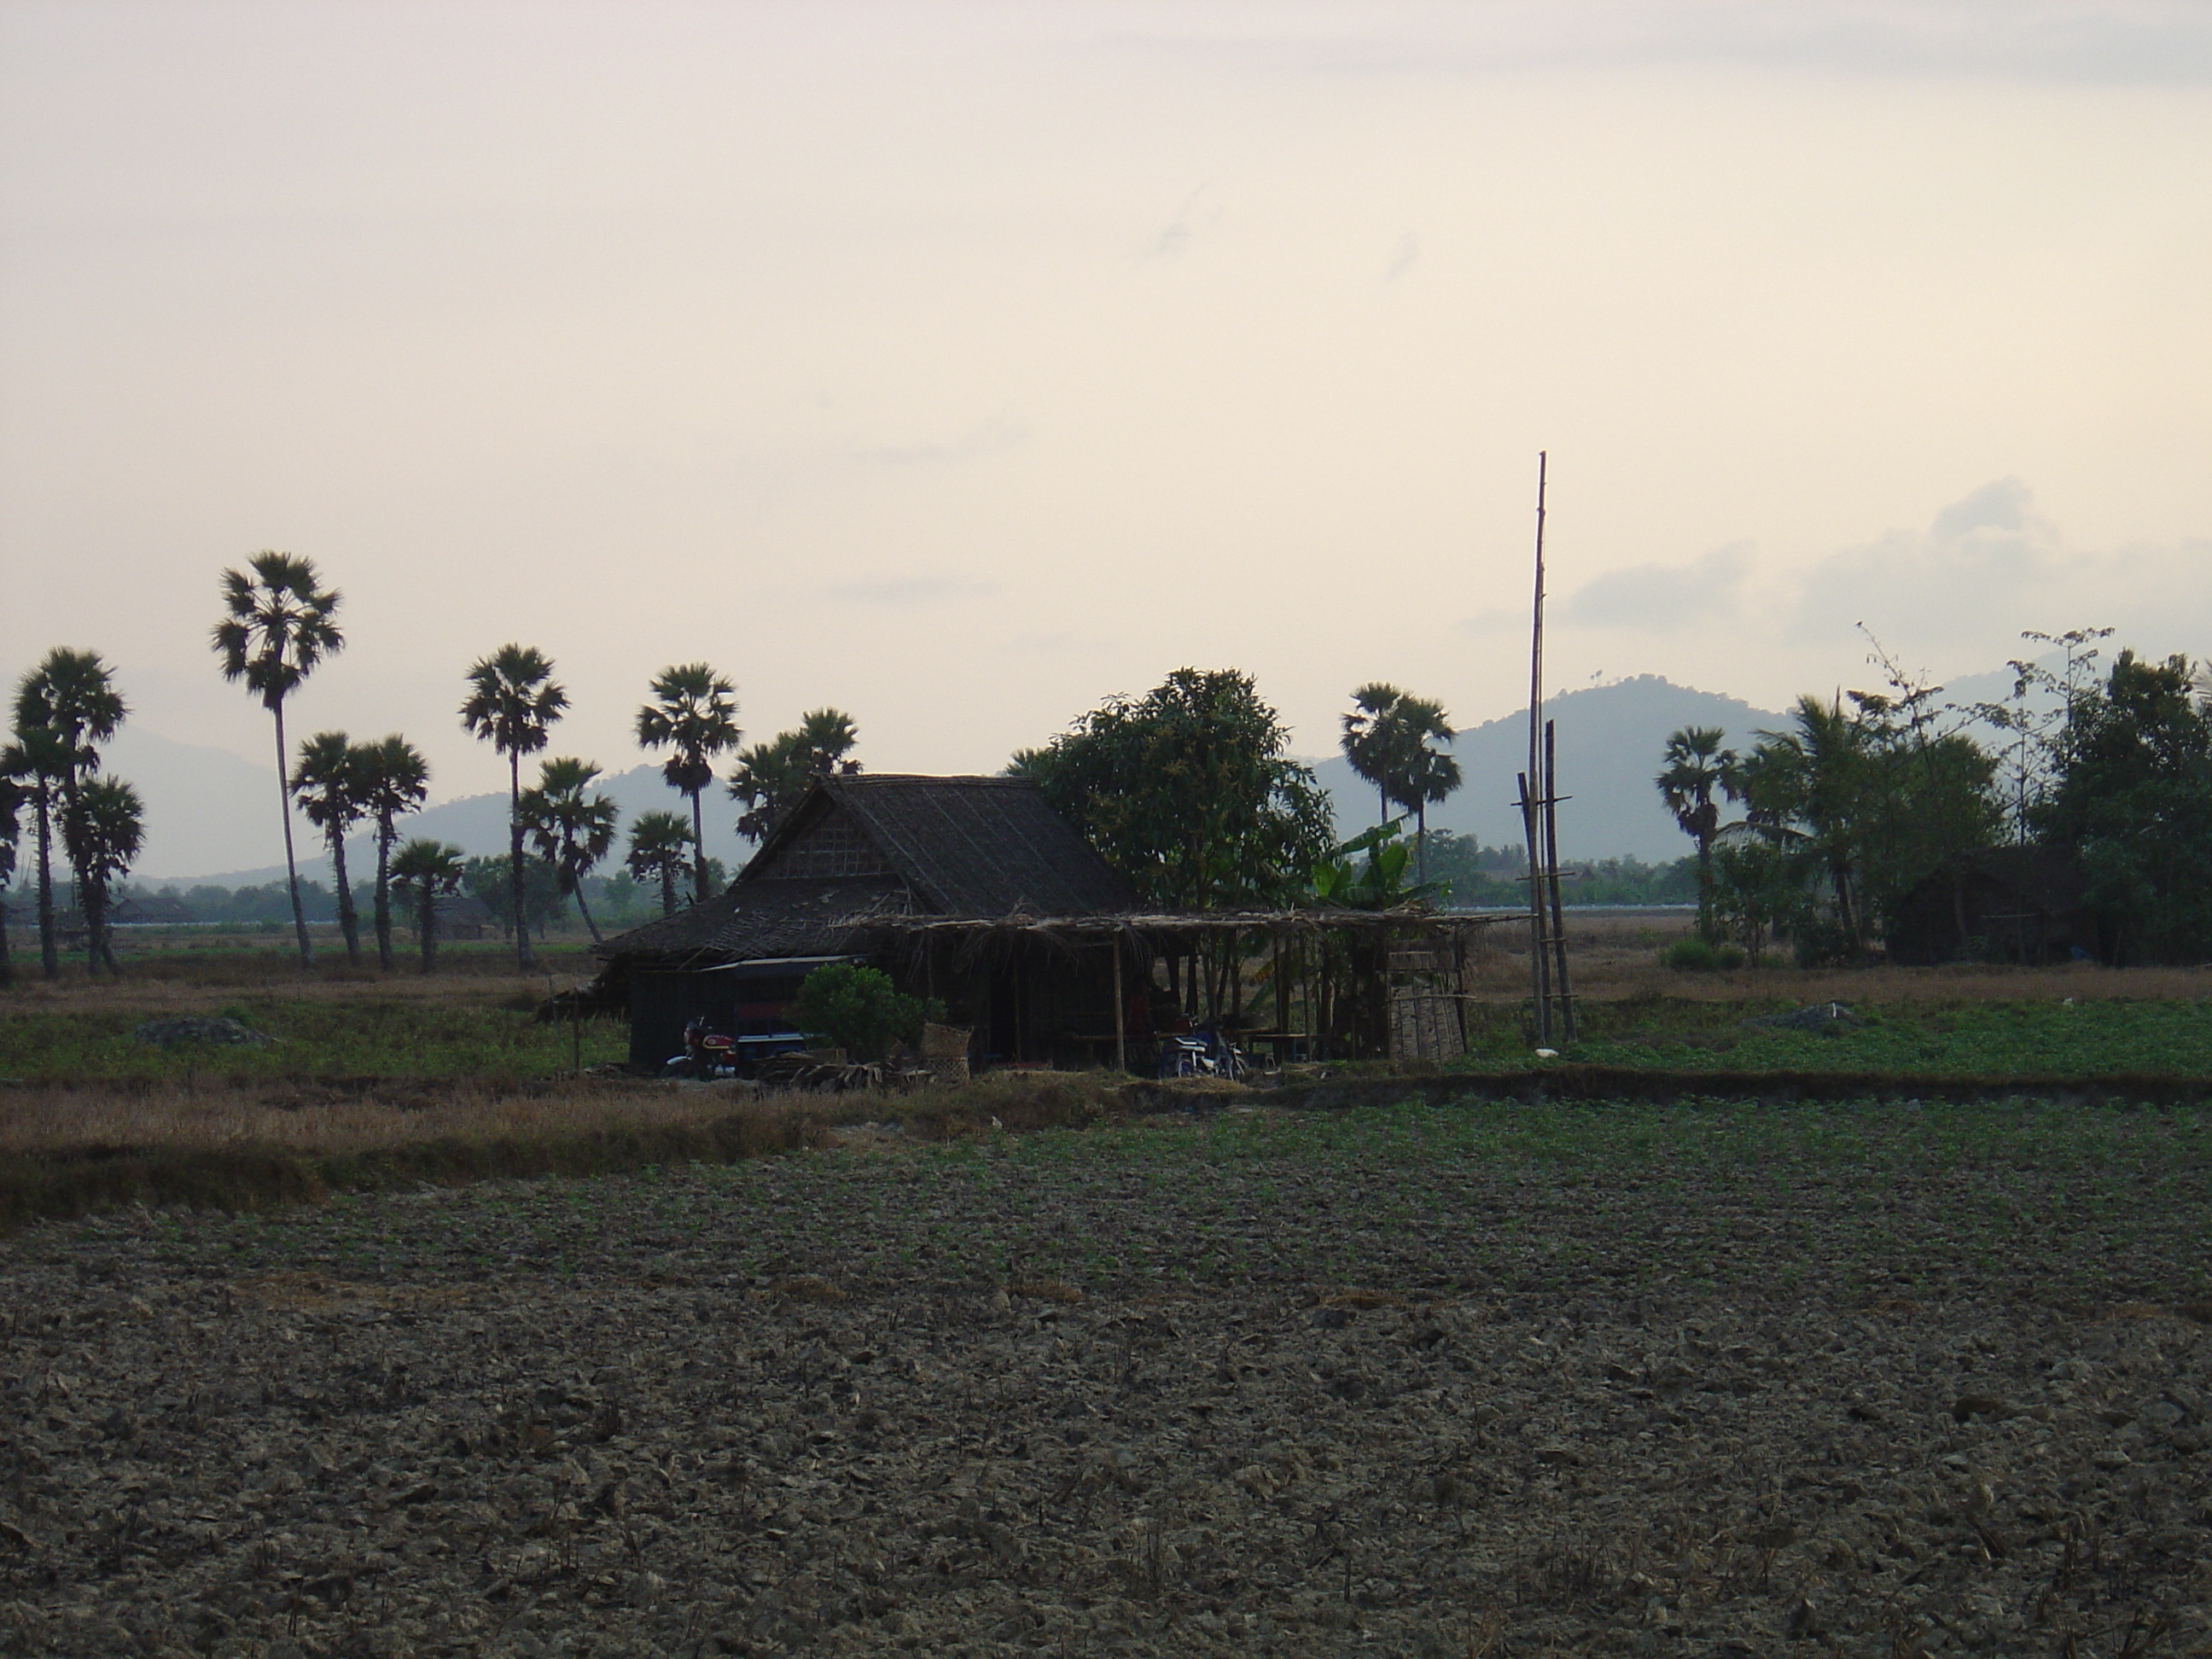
960	364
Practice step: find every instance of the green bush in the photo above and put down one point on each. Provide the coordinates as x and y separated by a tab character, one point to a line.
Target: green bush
857	1009
1728	957
1691	956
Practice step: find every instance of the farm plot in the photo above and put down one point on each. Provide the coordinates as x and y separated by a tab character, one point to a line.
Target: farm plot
1464	1380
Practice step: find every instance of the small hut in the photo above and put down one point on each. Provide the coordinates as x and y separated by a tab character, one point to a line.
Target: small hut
972	892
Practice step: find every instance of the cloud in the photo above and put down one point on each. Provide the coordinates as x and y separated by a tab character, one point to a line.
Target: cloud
2153	42
1986	557
1403	258
993	437
902	593
1660	598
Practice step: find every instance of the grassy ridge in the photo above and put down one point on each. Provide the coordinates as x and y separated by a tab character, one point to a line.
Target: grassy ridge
2049	1039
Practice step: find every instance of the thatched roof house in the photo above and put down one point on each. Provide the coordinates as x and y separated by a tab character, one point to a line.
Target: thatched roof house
973	891
2027	904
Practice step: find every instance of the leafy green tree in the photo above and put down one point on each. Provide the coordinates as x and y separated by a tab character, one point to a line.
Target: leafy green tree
432	869
1372	741
694	714
395	781
492	880
12	797
511	704
571	827
1188	792
331	782
659	848
103	826
1378	883
771	778
2132	801
857	1009
278	626
1392	739
65	707
1695	770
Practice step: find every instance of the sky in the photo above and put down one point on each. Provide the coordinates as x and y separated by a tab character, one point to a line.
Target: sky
962	365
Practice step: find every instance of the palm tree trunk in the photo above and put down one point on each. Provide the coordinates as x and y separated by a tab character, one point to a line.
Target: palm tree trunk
7	961
584	910
348	920
514	857
91	896
50	950
291	864
667	889
1421	844
383	891
1706	888
698	854
426	921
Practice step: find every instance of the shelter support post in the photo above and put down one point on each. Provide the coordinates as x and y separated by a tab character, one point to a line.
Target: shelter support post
1120	1017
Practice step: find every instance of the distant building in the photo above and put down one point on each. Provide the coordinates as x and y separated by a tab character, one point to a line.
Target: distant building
2025	904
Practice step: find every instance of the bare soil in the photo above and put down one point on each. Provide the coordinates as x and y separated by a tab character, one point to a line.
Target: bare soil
1182	1389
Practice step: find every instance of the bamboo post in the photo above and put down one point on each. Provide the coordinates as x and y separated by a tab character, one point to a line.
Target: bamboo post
1539	986
1121	1018
1552	862
1535	807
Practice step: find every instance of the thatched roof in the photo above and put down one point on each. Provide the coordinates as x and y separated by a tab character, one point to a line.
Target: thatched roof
860	849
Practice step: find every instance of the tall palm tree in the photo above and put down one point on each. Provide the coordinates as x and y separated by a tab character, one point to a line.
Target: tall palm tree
1816	776
1426	775
659	846
65	707
12	797
395	781
571	829
511	704
278	628
330	784
694	713
433	869
103	826
1373	740
1693	766
771	778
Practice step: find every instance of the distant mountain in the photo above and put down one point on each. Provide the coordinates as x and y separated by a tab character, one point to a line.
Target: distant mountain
1610	739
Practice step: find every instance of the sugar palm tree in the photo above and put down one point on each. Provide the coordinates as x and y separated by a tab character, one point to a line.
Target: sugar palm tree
433	869
1693	766
278	628
771	778
65	707
1373	740
511	704
693	712
659	846
1426	775
103	827
571	828
395	781
331	787
12	797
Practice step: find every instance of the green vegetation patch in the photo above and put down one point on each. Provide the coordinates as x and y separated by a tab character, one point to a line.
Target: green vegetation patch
331	1037
2010	1039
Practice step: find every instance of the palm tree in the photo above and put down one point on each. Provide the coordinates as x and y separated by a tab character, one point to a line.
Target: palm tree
571	830
1373	740
659	846
64	708
694	712
511	704
278	628
1693	766
1427	776
771	778
433	869
330	784
12	797
1817	776
395	781
103	826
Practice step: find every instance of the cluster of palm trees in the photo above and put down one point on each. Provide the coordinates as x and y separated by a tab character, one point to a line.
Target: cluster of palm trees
65	707
1391	738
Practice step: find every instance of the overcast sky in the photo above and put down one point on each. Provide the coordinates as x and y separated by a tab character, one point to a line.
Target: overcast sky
960	365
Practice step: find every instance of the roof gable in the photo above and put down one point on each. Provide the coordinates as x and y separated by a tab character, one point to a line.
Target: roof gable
965	846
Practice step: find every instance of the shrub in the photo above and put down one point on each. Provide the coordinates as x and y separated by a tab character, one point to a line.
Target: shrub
1691	956
857	1009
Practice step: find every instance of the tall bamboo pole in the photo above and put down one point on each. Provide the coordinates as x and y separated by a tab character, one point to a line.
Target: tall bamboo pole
1551	865
1534	807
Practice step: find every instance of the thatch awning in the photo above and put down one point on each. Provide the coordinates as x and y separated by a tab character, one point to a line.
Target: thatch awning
1191	923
